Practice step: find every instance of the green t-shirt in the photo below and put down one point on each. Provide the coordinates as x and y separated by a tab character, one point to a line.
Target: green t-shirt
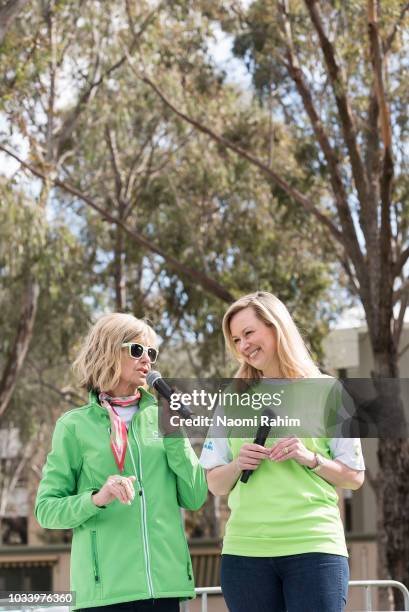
286	508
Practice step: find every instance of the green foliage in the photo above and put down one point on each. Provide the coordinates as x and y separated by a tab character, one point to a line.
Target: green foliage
122	147
53	255
207	208
259	41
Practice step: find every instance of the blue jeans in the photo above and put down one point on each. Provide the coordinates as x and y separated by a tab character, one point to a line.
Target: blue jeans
310	582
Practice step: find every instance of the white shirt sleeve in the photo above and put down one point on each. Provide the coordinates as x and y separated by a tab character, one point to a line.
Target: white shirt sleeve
348	451
216	450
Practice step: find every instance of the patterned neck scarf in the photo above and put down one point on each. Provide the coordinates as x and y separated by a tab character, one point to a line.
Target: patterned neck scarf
119	434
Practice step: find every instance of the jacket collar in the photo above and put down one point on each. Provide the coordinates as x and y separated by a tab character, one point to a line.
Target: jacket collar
147	399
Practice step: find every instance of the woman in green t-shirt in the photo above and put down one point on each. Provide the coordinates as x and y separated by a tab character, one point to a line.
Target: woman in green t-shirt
284	547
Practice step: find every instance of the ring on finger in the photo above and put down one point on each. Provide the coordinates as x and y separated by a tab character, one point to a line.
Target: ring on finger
117	480
285	450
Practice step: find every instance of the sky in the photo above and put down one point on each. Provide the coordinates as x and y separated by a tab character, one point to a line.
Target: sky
221	51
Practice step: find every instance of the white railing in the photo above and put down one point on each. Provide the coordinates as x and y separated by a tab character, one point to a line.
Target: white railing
203	592
366	584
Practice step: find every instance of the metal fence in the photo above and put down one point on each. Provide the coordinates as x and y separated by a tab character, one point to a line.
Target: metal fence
203	593
366	584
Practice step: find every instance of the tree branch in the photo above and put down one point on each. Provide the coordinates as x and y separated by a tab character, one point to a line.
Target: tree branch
291	191
391	37
113	152
69	124
372	154
21	344
133	166
52	64
350	274
399	294
207	283
401	261
367	214
8	14
338	189
17	471
377	63
386	266
403	351
398	323
68	396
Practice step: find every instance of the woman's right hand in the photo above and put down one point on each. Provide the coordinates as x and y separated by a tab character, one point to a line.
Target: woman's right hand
115	487
251	455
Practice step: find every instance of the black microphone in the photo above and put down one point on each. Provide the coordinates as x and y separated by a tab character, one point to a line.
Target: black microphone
261	437
155	380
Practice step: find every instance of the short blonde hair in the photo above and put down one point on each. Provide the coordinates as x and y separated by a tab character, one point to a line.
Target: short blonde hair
293	357
98	365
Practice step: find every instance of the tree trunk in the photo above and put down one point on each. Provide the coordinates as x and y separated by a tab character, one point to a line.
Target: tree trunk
119	271
21	344
392	491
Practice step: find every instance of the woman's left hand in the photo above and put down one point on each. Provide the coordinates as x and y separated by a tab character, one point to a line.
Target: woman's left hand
292	448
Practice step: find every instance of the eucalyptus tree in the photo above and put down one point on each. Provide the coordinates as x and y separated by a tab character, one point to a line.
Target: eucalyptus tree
55	58
34	390
76	48
168	225
169	184
336	74
111	147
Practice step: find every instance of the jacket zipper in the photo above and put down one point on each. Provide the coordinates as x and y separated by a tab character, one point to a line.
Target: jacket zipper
95	555
144	512
188	560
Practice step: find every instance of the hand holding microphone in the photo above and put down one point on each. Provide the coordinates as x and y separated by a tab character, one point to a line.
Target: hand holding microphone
250	457
252	454
155	380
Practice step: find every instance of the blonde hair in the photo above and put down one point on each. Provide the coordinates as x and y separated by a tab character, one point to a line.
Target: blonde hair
98	365
293	357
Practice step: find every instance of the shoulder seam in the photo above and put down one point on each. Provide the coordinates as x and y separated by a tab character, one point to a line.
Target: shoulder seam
74	410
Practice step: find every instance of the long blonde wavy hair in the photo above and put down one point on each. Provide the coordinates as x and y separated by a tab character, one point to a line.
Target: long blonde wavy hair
293	357
98	365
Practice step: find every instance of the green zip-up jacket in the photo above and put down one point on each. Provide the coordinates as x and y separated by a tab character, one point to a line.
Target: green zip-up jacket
119	552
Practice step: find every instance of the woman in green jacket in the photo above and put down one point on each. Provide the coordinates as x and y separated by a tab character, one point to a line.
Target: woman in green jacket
114	480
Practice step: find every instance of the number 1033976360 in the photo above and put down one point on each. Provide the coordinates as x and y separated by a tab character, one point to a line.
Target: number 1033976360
37	598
